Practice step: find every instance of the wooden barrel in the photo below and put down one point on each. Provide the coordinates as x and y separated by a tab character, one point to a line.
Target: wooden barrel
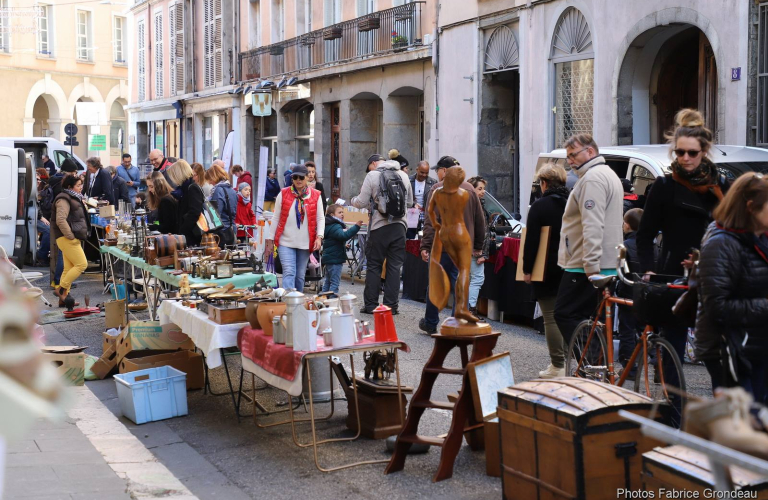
167	244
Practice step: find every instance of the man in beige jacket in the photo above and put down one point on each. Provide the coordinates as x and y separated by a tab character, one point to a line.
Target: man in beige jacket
590	234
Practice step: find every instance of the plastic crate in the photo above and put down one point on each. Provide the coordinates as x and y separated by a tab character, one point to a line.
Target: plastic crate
152	394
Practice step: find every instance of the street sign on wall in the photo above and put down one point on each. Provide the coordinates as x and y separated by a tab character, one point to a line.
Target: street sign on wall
97	142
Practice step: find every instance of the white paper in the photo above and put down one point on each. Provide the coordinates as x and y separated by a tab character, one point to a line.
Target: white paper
412	218
340	201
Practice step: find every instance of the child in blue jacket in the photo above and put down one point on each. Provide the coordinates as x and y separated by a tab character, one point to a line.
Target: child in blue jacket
334	246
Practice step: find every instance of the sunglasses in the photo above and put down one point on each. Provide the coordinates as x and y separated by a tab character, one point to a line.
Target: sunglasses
297	177
692	153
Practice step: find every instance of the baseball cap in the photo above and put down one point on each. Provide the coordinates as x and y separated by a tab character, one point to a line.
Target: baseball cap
446	162
375	157
300	170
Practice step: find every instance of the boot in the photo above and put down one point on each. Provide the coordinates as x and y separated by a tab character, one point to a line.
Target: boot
62	293
726	420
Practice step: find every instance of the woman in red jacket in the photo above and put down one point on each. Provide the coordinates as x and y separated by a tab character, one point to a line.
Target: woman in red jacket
244	215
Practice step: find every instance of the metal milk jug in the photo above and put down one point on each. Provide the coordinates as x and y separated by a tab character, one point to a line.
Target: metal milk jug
347	303
295	313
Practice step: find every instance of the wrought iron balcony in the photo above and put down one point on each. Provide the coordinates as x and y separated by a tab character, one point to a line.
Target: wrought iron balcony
378	33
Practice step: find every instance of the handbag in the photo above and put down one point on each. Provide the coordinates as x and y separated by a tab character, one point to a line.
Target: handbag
686	306
209	219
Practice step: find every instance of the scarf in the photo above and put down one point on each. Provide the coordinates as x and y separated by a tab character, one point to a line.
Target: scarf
703	180
178	193
74	193
312	184
300	209
245	200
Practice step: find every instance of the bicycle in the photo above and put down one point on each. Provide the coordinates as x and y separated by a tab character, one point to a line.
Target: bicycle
590	351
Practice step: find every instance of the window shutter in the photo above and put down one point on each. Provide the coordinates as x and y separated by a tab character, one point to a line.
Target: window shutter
142	52
217	42
158	55
207	43
177	48
172	45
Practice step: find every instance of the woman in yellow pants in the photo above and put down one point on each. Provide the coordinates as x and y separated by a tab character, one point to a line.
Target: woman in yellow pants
70	228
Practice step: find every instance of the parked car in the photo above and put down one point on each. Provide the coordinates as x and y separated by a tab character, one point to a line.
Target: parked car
642	164
19	158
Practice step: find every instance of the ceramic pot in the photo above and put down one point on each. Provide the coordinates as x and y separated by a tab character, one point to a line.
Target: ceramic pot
343	326
266	311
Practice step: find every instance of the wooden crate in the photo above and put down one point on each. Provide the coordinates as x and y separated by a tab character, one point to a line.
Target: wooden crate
680	468
562	438
226	314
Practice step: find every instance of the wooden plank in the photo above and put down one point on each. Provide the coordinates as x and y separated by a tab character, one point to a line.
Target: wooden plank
540	263
536	425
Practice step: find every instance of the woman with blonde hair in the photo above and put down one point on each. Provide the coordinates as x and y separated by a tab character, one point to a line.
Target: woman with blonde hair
200	180
225	199
190	201
162	203
679	206
547	211
732	320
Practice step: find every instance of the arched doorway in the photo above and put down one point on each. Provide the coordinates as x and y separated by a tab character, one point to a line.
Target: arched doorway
366	129
665	69
41	114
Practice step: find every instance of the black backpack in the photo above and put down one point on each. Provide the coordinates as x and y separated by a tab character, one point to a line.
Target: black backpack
392	194
46	201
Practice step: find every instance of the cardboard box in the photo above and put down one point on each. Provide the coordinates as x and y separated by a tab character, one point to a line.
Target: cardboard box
107	211
350	216
69	361
116	314
107	363
107	341
189	362
150	335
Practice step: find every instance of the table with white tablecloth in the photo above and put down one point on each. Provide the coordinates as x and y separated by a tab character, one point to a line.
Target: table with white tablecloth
207	335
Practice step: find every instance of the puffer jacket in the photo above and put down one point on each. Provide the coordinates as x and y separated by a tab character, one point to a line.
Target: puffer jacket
733	294
334	251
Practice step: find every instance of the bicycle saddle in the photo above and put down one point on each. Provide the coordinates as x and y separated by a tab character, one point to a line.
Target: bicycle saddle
599	281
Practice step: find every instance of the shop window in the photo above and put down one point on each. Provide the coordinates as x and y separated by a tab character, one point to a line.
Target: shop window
305	134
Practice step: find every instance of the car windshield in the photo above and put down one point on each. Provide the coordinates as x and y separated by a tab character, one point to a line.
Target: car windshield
493	206
735	169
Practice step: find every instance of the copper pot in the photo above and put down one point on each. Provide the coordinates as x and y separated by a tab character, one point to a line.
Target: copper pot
251	312
266	311
211	243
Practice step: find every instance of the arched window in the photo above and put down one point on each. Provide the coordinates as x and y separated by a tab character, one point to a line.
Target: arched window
501	51
574	81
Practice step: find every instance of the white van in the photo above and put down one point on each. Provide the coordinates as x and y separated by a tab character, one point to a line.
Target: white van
18	191
642	164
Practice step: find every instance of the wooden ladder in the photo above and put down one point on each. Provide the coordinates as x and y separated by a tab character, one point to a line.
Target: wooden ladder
463	412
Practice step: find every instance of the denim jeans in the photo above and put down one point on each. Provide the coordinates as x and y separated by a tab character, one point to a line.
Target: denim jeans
44	250
432	315
332	277
294	262
476	280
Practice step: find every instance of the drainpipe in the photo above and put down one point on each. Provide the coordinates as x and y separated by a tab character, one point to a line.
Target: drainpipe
436	67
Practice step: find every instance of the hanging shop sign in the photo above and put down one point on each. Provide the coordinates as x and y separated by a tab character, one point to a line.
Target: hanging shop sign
262	104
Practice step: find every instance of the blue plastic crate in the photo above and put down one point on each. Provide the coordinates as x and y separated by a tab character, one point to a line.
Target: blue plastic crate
152	394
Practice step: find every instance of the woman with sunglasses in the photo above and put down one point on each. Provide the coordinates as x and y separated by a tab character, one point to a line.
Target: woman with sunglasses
297	228
679	206
732	320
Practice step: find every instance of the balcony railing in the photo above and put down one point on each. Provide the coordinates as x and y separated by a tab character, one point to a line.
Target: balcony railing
381	32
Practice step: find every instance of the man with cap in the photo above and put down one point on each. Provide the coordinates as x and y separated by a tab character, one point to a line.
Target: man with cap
474	219
374	161
386	237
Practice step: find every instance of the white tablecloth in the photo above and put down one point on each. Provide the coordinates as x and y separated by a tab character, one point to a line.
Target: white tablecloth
292	387
208	336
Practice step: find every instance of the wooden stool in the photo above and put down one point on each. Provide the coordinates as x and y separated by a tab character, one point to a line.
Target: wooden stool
463	410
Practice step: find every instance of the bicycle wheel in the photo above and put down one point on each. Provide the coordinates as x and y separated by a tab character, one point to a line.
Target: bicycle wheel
667	382
586	356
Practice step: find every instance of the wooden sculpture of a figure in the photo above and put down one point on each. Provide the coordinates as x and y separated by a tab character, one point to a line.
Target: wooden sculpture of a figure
452	235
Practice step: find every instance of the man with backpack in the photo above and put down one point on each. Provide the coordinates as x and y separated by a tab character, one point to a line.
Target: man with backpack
387	193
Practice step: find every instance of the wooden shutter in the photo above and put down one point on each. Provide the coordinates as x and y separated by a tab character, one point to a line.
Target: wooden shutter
158	54
172	9
217	51
176	33
142	52
207	43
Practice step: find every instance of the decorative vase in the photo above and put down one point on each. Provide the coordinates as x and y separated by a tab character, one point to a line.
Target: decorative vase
266	311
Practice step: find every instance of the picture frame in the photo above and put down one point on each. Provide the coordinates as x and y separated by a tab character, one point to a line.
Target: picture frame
486	378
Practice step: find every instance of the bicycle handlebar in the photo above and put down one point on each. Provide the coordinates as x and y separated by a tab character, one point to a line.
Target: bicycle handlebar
622	267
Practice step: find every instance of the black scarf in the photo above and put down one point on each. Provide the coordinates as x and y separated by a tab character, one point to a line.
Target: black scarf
704	175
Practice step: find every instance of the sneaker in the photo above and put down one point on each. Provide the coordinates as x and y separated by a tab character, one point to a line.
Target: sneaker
552	372
423	326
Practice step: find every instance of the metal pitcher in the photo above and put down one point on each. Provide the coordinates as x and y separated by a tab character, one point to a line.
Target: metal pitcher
347	303
295	312
278	329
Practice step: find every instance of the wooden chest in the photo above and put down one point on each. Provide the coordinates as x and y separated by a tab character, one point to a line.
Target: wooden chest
680	468
226	314
563	439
